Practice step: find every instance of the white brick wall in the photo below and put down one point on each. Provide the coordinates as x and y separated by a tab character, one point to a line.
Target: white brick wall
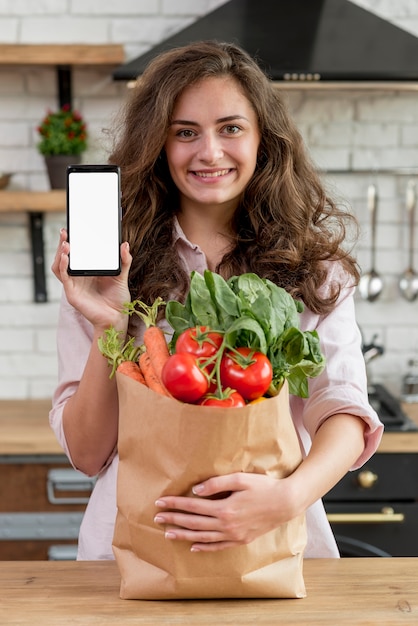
342	129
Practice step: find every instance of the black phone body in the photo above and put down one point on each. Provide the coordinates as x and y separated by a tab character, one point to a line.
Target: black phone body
94	220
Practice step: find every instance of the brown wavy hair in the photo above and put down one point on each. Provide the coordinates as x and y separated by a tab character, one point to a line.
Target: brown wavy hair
286	225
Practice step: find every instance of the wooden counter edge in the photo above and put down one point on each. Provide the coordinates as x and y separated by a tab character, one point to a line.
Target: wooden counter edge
402	442
53	201
30	417
339	591
61	54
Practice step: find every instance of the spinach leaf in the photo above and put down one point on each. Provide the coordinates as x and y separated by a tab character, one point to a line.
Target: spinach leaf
254	299
203	308
254	312
253	336
223	298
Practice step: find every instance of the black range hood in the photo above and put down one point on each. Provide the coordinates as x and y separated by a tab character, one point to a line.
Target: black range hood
303	41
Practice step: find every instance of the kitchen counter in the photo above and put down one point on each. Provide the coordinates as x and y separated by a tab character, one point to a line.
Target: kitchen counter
402	441
24	429
340	591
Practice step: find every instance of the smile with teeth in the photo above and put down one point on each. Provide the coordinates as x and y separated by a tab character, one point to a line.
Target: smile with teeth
212	174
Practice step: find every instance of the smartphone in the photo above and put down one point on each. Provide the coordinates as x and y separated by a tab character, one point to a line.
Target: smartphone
94	219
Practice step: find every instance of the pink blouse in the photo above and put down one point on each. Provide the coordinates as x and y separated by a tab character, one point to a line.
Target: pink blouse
341	388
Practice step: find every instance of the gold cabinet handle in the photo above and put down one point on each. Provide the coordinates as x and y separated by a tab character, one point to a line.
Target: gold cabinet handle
387	515
367	479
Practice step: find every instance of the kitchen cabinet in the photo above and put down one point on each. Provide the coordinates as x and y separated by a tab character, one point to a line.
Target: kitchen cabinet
374	510
42	498
31	461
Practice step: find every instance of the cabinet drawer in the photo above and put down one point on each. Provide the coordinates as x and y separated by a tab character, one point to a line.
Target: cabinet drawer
38	550
42	502
43	485
394	532
385	476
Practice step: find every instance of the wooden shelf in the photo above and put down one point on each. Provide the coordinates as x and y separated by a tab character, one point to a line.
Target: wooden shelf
64	57
61	54
35	204
33	201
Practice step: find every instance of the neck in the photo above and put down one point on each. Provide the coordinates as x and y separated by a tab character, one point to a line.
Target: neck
211	234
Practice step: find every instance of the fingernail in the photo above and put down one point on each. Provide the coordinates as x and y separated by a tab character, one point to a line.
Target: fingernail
159	519
198	489
159	503
169	534
194	549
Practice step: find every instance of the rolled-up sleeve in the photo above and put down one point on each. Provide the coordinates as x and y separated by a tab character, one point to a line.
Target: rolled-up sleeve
342	386
74	339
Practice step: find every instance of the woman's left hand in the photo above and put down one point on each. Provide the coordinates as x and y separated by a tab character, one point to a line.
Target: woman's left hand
254	505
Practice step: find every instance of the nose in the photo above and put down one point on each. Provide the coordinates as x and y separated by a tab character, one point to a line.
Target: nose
210	148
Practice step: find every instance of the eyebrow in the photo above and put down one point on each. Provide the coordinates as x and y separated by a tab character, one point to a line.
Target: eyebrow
228	118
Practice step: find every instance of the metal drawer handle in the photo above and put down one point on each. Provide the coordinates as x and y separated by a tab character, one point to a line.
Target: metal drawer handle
387	515
367	479
68	480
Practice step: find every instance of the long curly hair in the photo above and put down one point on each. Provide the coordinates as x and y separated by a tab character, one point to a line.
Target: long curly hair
286	226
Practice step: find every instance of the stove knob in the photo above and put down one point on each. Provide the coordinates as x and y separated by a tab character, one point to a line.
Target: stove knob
367	479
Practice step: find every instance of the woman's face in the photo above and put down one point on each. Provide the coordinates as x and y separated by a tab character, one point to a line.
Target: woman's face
212	144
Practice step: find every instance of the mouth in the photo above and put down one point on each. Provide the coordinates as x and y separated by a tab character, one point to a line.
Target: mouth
213	174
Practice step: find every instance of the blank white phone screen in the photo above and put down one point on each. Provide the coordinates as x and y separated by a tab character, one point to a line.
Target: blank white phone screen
94	218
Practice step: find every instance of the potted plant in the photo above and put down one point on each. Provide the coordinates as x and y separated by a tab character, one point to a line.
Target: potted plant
63	138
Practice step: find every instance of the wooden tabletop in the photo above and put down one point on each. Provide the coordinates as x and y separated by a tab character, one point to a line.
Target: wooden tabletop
24	429
366	591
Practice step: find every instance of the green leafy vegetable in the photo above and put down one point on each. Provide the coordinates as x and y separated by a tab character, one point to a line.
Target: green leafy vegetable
254	312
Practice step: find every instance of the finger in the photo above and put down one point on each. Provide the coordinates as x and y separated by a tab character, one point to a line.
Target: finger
220	485
57	258
197	506
212	547
64	261
185	521
61	261
125	254
193	536
126	261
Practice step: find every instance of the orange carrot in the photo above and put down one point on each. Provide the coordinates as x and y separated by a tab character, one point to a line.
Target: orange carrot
131	369
156	347
151	379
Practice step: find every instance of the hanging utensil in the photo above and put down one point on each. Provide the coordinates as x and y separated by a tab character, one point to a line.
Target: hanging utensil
408	281
371	284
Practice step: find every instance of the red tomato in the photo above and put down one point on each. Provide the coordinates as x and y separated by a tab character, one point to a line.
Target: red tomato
200	341
249	372
183	378
234	399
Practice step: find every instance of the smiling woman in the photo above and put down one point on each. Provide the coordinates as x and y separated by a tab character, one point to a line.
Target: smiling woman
215	176
211	159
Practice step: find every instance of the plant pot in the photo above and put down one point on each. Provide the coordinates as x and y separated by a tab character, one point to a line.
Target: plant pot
56	166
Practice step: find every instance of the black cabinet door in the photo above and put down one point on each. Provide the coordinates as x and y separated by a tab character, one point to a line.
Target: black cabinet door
397	536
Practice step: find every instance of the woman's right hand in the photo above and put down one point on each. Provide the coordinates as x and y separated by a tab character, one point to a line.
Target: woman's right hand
99	299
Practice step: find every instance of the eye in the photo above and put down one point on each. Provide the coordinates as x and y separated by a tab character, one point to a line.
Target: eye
231	129
185	133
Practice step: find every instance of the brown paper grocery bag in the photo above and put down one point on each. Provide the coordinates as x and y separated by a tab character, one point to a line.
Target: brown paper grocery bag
166	447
